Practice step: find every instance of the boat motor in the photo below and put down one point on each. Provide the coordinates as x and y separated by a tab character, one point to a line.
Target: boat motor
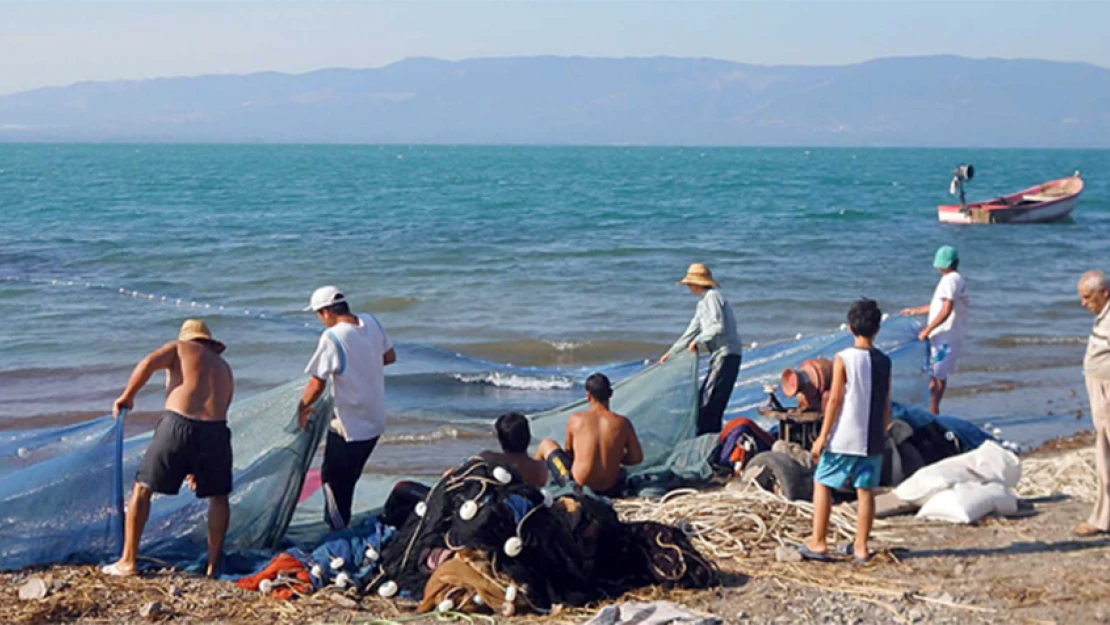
809	384
963	173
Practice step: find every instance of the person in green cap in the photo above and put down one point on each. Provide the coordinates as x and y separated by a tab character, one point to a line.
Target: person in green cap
947	325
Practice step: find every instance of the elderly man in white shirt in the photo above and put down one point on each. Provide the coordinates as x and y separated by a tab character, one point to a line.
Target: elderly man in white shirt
713	329
1094	293
353	352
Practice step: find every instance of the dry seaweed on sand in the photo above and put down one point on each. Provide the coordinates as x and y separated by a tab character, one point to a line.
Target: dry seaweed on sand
742	521
1072	474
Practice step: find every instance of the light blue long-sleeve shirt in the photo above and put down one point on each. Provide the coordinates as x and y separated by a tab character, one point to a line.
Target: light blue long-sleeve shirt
713	327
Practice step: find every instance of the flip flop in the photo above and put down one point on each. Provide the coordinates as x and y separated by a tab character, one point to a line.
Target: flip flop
848	549
113	570
809	554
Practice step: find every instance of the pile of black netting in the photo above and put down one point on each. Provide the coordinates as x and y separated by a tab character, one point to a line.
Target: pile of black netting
526	548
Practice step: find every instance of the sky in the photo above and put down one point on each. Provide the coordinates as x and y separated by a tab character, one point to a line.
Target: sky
50	43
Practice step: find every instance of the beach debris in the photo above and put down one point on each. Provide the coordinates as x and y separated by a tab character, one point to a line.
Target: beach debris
652	613
743	521
1072	474
445	606
266	586
343	600
152	610
784	554
33	589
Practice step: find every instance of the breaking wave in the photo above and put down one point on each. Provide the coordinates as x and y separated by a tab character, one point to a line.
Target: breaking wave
516	381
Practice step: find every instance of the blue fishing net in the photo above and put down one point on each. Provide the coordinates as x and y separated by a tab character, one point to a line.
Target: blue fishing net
62	489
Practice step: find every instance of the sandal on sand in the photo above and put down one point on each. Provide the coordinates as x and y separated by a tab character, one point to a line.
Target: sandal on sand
849	549
1085	530
809	554
113	570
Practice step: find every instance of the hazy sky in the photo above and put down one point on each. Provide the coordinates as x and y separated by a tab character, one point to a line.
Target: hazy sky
43	42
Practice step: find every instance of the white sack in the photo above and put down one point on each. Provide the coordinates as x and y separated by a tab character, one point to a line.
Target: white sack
989	463
969	502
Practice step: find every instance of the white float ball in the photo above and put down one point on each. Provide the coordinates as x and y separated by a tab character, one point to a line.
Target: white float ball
266	586
445	606
387	589
502	475
468	510
337	563
514	546
510	594
421	509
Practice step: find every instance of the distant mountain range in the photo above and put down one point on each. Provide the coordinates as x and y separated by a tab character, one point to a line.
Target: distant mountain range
917	101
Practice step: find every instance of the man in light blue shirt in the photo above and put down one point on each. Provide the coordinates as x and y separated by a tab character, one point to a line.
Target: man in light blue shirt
713	330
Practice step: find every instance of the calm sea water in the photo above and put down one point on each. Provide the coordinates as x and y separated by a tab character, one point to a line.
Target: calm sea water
563	258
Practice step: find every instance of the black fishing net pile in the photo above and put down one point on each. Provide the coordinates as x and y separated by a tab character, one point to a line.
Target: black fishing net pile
575	552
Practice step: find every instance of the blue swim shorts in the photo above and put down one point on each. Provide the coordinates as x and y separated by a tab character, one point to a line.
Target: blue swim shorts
844	471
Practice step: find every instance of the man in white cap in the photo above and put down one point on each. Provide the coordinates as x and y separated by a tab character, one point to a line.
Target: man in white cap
353	352
191	441
713	330
1094	294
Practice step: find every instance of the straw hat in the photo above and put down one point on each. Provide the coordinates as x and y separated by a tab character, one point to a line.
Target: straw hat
197	330
699	275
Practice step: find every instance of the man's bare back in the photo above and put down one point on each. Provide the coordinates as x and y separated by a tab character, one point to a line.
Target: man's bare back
199	384
601	442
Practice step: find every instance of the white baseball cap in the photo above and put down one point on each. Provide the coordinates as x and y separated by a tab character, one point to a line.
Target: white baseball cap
325	296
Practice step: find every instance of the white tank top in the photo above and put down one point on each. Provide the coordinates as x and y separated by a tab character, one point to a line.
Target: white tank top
859	430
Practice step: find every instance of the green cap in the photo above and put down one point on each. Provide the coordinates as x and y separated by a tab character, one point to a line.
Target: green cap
946	255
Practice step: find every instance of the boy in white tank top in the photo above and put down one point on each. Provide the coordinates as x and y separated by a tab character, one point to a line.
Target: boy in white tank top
849	449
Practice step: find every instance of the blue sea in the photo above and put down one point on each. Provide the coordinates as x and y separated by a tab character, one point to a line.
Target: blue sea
557	260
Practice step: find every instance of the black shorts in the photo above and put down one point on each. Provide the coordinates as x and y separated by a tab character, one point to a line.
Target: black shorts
184	446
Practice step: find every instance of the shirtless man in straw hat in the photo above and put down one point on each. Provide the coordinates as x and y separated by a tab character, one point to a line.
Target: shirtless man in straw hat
191	440
713	329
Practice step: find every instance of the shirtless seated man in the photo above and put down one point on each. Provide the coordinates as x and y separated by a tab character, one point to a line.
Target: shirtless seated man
191	440
600	443
515	435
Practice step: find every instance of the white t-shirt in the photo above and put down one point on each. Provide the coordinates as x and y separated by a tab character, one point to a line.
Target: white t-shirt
352	357
954	329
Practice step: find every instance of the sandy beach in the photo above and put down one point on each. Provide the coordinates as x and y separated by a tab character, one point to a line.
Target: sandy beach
1018	570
